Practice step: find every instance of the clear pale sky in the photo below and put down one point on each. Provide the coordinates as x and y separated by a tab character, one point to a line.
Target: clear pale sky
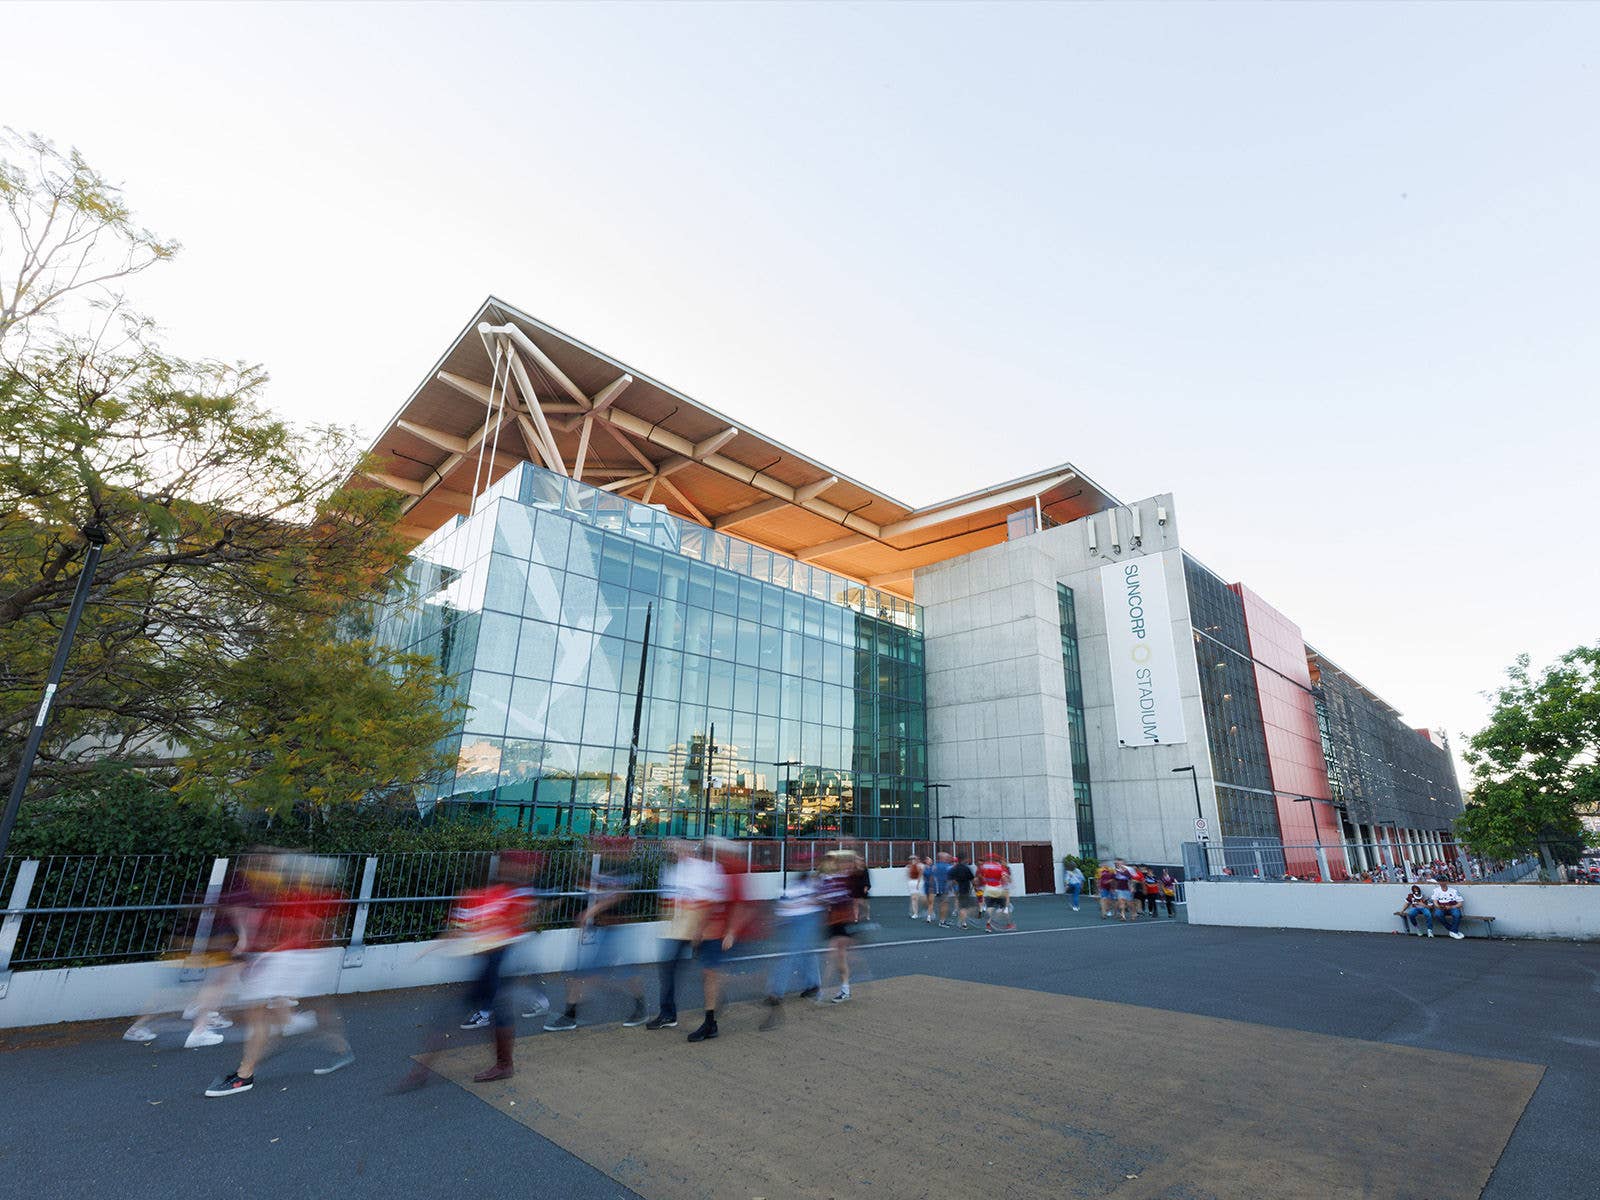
1330	274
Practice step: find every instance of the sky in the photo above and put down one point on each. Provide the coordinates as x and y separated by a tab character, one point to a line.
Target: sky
1327	273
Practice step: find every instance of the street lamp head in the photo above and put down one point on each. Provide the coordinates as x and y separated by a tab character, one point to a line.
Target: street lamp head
1181	770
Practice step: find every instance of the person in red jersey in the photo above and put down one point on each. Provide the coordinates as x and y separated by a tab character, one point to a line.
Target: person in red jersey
300	899
994	877
487	923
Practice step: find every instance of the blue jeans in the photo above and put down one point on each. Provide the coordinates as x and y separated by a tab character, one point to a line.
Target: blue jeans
1073	890
1411	914
799	939
1450	916
674	951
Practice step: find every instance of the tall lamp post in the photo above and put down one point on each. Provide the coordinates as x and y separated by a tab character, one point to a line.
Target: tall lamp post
783	835
1199	817
936	788
96	537
953	818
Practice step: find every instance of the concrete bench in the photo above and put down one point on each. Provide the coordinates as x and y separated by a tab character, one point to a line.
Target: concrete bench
1466	920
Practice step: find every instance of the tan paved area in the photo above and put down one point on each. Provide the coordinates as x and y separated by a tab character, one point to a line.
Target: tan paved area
923	1087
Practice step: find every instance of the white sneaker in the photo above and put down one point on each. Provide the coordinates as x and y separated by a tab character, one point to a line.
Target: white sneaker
1457	936
139	1033
201	1037
218	1021
1430	933
478	1020
299	1022
844	994
540	1007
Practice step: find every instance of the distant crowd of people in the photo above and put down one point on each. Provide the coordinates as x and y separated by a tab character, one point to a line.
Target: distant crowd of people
948	888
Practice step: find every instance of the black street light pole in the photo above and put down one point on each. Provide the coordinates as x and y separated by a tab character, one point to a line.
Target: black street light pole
638	713
783	836
1199	815
936	788
96	537
953	818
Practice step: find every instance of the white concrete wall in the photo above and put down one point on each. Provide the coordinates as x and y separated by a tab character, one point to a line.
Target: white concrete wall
997	720
1528	910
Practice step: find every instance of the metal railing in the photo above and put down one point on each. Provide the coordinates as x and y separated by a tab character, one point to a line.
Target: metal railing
74	910
1257	859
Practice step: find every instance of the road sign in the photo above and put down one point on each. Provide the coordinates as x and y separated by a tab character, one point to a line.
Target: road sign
1200	826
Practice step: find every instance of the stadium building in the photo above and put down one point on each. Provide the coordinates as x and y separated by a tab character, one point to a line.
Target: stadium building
665	621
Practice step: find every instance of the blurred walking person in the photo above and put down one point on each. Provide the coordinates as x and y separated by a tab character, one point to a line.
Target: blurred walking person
799	935
1169	892
995	879
839	910
726	920
688	886
602	948
1072	881
1106	886
487	922
299	899
914	883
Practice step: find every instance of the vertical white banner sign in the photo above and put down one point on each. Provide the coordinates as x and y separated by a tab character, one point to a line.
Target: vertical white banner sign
1144	664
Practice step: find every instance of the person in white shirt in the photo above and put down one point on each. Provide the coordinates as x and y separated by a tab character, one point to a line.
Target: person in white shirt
1446	902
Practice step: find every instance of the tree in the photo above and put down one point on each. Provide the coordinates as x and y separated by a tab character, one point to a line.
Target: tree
1536	765
65	231
236	544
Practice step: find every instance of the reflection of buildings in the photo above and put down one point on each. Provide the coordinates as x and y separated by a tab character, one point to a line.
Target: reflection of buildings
779	599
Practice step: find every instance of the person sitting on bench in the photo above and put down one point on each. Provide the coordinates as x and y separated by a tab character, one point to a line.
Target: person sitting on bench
1446	902
1413	907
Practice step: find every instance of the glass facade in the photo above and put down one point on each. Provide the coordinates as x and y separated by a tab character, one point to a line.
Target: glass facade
538	603
1077	734
1246	804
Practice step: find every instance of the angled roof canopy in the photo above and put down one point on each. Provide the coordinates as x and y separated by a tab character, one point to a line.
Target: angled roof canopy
511	388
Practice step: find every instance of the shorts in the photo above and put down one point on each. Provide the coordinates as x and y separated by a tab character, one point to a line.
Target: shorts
997	896
1124	893
282	975
710	953
601	947
964	898
846	930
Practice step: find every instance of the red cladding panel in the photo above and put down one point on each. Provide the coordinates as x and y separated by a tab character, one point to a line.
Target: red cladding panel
1294	743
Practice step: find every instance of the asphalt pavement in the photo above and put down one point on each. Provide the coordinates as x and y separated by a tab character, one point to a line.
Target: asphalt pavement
86	1113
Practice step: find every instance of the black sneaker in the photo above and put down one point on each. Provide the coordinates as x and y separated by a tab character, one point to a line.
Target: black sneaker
771	1001
810	993
231	1084
707	1031
637	1017
660	1022
563	1022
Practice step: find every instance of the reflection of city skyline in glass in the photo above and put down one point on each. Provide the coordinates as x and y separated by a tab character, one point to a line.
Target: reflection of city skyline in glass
537	603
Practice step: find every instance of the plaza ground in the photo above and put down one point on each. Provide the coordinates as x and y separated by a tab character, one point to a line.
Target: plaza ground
1081	1058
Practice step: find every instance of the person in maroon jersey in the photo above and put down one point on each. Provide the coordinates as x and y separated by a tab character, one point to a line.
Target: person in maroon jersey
839	914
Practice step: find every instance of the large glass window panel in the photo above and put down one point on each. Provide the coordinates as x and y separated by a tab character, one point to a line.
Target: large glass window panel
600	717
721	684
675	579
478	767
794	609
670	628
542	589
745	689
606	664
749	600
616	560
771	656
530	708
551	536
513	531
702	585
748	644
726	588
611	609
666	670
811	665
646	576
696	680
638	605
768	697
536	649
782	571
724	631
811	706
793	654
566	712
583	556
578	599
697	632
579	500
497	642
490	695
761	563
573	648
